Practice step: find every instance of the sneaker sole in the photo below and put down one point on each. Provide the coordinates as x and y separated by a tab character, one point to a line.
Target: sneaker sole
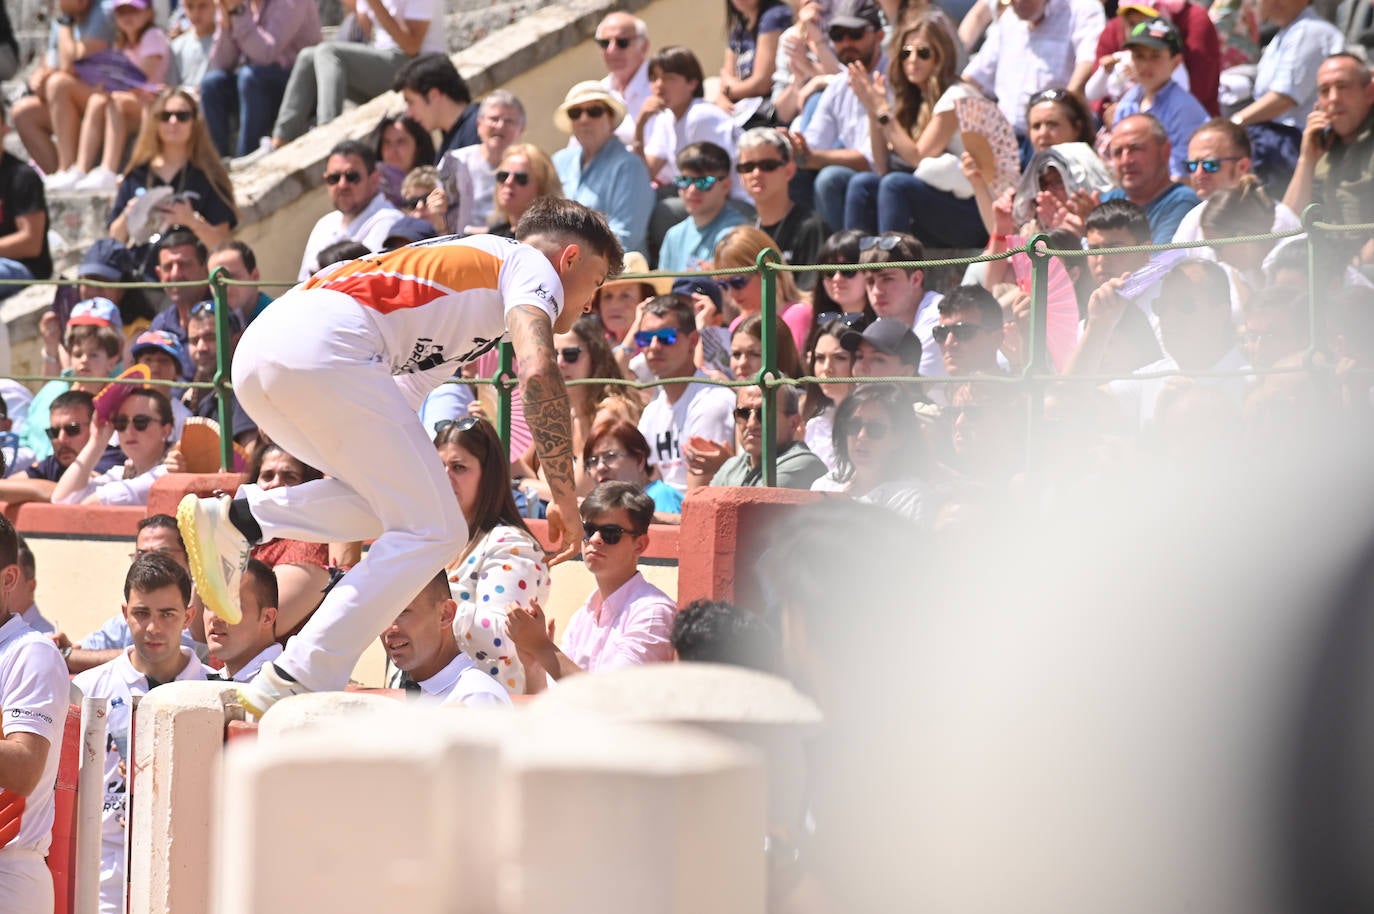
213	590
248	706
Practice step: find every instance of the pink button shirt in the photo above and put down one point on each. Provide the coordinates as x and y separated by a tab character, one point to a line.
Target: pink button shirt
633	625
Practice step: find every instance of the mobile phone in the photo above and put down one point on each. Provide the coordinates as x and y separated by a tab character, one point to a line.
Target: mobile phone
1327	136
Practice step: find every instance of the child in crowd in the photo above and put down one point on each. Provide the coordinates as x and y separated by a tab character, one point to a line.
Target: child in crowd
94	343
1157	51
703	183
191	49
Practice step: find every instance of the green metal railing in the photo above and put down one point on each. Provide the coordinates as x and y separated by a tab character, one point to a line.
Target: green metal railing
1035	377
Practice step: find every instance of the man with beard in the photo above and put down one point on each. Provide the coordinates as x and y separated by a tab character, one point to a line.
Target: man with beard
361	212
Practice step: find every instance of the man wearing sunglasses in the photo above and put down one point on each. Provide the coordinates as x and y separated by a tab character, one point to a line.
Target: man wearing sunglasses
1218	157
797	466
835	143
703	186
969	332
765	167
361	211
624	43
626	621
335	372
69	428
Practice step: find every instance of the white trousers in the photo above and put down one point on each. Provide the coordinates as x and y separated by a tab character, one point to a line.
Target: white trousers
25	883
312	373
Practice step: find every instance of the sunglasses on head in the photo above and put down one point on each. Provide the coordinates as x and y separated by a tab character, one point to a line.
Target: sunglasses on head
745	413
848	318
961	331
665	335
840	33
204	307
522	178
610	533
921	51
621	43
571	354
733	283
1211	165
703	184
1048	95
873	431
140	423
463	425
181	116
881	242
71	430
350	176
591	111
767	166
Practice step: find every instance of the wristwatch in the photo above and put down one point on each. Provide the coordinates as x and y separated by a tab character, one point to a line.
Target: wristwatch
884	119
67	652
65	19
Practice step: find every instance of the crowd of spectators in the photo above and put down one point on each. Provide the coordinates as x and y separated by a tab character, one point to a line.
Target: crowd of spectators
852	135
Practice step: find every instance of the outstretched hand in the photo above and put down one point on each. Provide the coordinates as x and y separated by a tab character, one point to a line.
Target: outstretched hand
565	527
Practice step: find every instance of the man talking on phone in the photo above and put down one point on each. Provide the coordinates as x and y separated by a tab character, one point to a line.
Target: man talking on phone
1336	160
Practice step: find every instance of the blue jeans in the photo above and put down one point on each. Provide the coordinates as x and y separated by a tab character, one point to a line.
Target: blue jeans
832	183
255	92
902	202
12	269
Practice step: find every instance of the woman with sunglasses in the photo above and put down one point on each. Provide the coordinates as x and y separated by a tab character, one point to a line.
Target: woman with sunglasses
617	451
174	150
826	357
879	453
739	249
916	186
402	146
753	29
144	423
841	292
502	563
525	174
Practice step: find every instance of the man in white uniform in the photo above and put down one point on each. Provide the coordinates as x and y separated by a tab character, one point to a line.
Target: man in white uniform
335	372
421	644
157	597
33	699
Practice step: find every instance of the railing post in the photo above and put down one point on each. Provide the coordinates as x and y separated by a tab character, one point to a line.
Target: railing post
1316	272
223	387
1037	361
768	295
505	383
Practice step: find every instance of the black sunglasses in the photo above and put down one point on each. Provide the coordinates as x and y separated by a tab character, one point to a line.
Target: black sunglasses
71	430
521	177
767	166
961	331
605	43
745	413
461	424
182	116
351	176
571	354
610	533
412	202
1210	165
921	51
733	283
140	423
840	33
873	431
591	111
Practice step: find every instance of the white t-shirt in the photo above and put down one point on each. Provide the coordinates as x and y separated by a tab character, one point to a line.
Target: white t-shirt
702	411
636	92
440	304
434	41
33	697
476	183
820	436
370	229
121	684
703	122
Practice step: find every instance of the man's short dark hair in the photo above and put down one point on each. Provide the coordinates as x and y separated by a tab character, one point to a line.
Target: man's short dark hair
9	543
714	631
1111	215
358	148
262	580
27	563
340	251
704	158
73	399
182	237
153	571
250	260
976	299
678	307
432	71
611	496
161	522
681	61
568	222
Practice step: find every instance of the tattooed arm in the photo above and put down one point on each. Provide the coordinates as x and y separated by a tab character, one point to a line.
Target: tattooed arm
548	415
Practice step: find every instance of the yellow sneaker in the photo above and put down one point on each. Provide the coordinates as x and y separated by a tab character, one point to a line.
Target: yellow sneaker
267	688
217	551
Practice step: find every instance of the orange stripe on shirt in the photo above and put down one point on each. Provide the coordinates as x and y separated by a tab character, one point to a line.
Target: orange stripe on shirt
410	277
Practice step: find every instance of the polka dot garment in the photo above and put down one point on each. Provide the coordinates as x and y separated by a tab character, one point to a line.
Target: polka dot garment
505	568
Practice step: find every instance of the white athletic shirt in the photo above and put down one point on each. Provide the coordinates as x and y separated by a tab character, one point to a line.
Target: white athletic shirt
33	699
444	301
702	411
118	681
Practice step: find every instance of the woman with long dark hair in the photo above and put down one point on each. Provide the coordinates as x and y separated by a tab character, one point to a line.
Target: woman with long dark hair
753	28
879	452
402	145
840	292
